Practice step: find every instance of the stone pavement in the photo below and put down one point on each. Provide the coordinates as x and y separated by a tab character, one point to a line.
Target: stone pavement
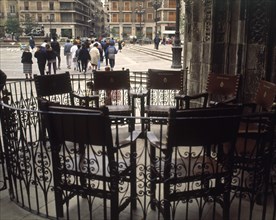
10	60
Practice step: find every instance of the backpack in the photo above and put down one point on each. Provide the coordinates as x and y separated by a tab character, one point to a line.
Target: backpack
111	52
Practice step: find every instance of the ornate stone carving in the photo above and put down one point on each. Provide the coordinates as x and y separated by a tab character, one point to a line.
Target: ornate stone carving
258	22
207	19
220	20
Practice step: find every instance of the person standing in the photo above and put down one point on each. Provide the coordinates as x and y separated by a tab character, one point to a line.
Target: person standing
84	57
77	57
110	53
95	56
156	42
73	51
56	48
67	53
51	58
32	42
105	45
120	47
26	59
43	45
40	55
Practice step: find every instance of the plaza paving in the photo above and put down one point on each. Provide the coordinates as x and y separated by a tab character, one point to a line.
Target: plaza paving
10	60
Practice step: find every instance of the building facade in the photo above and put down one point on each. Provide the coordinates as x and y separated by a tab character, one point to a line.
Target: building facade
142	18
64	18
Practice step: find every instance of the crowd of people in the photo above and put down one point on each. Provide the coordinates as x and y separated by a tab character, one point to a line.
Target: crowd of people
82	56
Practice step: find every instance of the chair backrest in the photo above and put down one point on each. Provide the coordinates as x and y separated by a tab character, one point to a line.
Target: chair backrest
113	87
163	86
265	95
3	79
111	80
55	87
165	79
198	127
78	125
222	86
55	84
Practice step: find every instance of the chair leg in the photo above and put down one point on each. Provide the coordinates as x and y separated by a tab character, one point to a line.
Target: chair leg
133	180
114	202
166	210
152	178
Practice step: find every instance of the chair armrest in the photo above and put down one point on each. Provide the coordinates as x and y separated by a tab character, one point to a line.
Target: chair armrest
249	107
87	99
138	94
131	138
187	99
231	100
155	142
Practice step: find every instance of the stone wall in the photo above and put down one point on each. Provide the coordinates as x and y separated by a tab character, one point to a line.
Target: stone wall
230	37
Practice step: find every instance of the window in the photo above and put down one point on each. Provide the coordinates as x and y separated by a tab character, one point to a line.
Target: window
150	17
66	17
127	6
51	17
39	17
114	6
26	5
172	16
127	30
139	18
65	6
66	33
51	5
114	18
39	6
27	17
172	3
127	17
116	31
12	8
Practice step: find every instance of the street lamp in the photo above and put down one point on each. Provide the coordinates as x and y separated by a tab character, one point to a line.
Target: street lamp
91	24
156	4
176	48
50	19
140	11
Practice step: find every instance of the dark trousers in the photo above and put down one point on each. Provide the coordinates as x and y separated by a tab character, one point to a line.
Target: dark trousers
84	65
59	59
54	67
112	63
41	67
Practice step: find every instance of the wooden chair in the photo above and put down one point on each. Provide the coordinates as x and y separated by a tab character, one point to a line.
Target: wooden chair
183	166
58	88
101	167
220	89
3	79
163	86
255	144
113	88
264	97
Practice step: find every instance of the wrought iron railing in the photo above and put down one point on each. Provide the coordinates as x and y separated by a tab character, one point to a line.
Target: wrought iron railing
26	156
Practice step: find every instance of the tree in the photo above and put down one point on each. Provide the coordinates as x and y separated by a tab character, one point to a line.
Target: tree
12	26
124	35
29	24
114	32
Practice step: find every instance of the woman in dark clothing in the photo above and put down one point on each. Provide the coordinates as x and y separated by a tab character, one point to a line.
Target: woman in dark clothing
40	55
51	58
26	59
84	57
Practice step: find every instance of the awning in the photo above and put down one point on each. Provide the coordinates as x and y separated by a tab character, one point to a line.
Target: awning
168	32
